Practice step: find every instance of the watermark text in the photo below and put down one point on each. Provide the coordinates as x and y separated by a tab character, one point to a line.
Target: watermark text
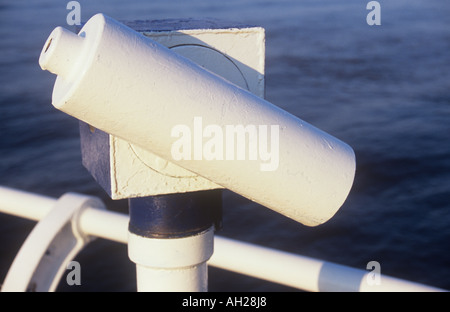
374	276
74	16
374	16
74	276
229	142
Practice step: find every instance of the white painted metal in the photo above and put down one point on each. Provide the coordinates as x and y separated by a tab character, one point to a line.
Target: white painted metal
24	204
235	53
301	272
104	224
132	87
244	47
269	264
188	279
175	264
51	245
113	225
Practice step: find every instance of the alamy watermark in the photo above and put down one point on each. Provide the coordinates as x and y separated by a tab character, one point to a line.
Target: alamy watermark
374	16
74	276
229	142
74	16
373	278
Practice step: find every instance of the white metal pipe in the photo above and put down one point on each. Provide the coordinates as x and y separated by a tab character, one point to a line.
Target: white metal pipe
92	221
261	262
171	264
136	89
105	224
187	279
51	245
299	271
25	204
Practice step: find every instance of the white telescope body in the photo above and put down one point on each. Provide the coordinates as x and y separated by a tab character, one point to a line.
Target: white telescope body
127	85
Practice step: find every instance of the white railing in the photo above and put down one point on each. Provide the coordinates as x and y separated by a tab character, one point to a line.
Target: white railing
268	264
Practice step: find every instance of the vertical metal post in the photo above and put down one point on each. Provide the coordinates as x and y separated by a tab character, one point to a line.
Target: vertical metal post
171	237
174	212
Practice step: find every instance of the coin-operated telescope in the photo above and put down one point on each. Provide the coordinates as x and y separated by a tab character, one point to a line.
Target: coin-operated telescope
126	84
196	126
